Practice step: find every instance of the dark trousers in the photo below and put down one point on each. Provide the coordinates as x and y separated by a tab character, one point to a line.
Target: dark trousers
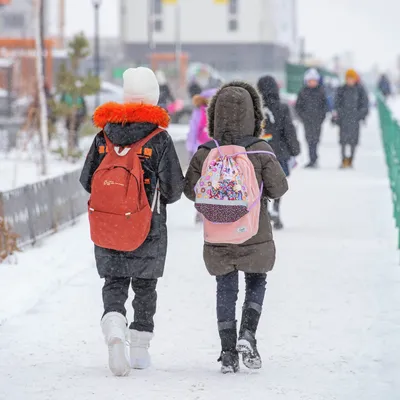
227	294
115	294
313	135
352	151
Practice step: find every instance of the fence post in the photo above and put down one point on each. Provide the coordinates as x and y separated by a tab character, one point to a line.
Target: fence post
28	203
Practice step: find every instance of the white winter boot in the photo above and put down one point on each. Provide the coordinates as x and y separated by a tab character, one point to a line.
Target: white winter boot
140	343
114	329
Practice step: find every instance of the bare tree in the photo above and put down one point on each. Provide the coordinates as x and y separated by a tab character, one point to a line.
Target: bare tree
40	79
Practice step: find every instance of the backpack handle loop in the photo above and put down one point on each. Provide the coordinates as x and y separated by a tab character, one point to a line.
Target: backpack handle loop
123	152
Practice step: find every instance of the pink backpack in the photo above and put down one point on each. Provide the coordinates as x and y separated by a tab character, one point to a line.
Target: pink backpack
228	195
203	128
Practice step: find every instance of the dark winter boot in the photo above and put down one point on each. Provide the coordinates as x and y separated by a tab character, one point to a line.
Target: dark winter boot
275	215
311	165
247	343
229	358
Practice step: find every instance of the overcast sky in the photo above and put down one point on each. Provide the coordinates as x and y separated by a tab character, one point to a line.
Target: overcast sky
368	28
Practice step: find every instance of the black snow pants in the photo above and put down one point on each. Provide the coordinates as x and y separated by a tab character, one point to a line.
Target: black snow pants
116	292
313	135
227	295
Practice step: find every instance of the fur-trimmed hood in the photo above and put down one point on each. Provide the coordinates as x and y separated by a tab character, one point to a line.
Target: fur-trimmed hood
234	112
125	124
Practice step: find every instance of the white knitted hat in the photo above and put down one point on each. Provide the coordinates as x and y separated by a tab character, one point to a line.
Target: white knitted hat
141	86
312	75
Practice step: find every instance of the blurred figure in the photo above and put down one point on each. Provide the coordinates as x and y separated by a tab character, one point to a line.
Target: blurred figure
279	132
194	87
311	107
351	107
384	86
76	115
166	96
198	128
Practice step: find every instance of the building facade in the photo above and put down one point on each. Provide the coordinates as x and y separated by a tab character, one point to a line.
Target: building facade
17	18
227	34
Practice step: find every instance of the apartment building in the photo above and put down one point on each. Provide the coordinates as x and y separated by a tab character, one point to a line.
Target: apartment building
228	34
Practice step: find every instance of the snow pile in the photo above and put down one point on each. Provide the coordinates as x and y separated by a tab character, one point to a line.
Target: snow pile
394	104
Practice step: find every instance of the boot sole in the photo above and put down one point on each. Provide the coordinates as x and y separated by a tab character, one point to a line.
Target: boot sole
117	359
229	370
246	350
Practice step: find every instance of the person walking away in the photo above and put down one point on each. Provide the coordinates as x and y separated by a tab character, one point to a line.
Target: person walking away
384	86
132	172
198	127
234	117
166	96
279	132
312	107
351	107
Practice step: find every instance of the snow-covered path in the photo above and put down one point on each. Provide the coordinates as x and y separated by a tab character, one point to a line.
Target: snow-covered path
331	327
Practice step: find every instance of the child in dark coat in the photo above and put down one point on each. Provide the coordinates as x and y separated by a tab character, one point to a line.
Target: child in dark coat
234	117
124	125
279	132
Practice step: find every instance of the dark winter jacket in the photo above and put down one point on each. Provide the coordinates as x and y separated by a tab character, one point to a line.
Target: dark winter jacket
352	106
384	86
166	96
125	125
312	106
278	121
235	113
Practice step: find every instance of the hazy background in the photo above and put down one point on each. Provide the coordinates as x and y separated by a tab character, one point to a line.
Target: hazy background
329	26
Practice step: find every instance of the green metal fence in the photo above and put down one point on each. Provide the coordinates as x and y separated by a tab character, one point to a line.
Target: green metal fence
390	129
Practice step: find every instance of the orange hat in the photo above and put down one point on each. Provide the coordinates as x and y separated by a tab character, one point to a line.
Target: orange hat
351	73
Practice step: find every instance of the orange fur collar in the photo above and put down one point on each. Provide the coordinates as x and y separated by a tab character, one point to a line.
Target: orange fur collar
127	113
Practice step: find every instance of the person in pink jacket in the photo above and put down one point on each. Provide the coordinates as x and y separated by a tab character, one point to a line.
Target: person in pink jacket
198	131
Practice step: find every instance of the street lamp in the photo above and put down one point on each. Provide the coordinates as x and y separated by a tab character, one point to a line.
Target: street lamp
96	5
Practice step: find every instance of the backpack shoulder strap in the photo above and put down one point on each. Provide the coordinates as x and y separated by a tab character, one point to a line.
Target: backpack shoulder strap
143	141
249	141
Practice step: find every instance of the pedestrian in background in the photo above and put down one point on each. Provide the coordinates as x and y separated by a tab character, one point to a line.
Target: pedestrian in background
312	107
279	132
351	107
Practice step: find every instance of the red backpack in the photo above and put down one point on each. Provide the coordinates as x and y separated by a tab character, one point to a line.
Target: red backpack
119	211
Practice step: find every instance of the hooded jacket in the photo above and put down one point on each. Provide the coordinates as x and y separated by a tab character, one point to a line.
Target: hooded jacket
278	121
234	114
124	125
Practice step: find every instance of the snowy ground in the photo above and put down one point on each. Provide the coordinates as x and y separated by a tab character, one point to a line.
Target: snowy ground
22	168
330	331
394	104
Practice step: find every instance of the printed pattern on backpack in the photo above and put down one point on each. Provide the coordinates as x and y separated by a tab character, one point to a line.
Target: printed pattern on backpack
228	195
221	194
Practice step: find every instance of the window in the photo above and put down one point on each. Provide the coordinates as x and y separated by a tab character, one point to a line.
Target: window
158	25
157	4
13	21
233	25
233	7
